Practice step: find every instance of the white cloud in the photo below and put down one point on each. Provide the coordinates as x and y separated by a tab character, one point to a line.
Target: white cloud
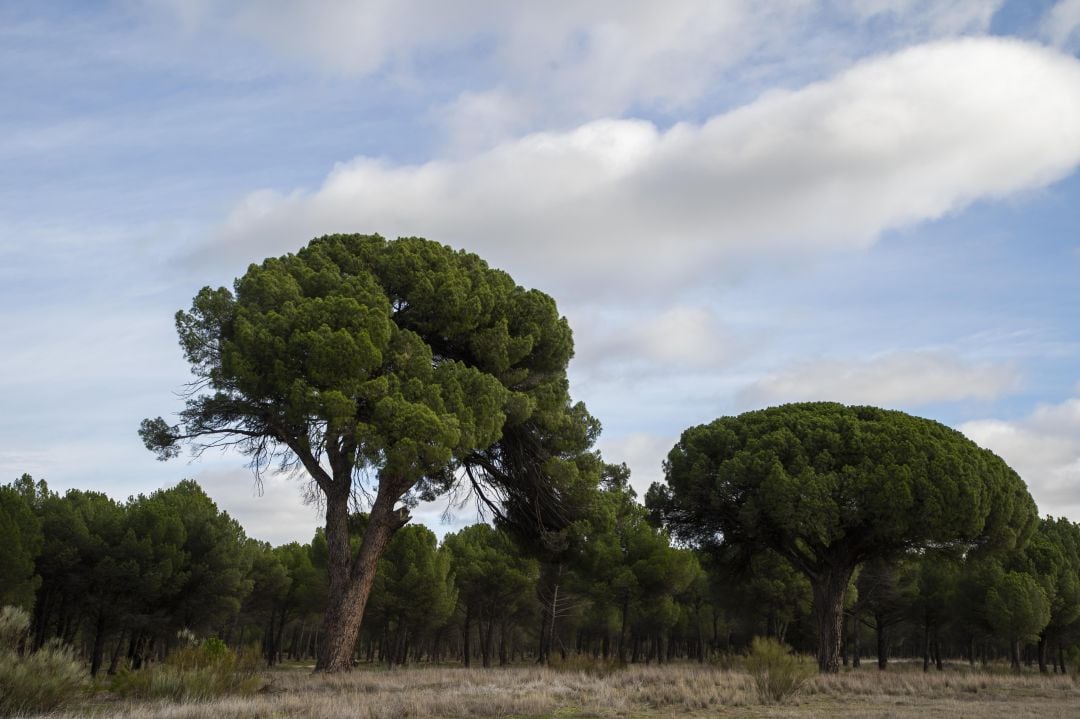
546	64
643	453
1061	23
922	18
905	379
619	204
278	515
680	338
1044	448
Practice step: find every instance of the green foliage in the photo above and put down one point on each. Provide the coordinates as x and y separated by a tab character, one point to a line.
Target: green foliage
817	479
406	355
21	538
193	673
829	487
778	674
1017	607
37	682
414	593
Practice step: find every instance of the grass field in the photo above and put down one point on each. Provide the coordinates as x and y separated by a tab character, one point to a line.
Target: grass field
685	690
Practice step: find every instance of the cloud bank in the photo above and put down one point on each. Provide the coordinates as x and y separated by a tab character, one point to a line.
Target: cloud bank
618	204
898	379
1044	447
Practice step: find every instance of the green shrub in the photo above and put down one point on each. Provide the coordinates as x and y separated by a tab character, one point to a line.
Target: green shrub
193	673
14	626
777	674
38	682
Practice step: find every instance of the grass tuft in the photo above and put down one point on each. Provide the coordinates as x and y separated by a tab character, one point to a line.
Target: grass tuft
778	675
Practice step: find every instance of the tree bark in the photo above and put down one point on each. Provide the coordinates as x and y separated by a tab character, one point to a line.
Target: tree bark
882	644
1042	655
350	577
829	587
856	643
98	652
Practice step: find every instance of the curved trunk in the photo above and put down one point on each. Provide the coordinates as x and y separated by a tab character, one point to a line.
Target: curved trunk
829	587
350	577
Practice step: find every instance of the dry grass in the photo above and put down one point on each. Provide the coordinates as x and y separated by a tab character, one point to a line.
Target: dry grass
685	690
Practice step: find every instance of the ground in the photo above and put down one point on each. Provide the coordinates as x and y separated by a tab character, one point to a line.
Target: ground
648	692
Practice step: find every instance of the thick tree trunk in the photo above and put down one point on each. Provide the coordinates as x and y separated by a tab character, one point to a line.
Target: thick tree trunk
829	587
351	577
1014	654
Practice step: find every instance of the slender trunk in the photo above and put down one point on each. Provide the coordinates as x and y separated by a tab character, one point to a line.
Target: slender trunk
829	587
351	578
1042	654
882	644
98	652
114	661
485	643
856	643
467	635
554	609
937	655
268	639
1014	653
926	648
504	657
622	630
1061	657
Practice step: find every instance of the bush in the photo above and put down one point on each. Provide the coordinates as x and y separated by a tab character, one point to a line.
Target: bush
39	682
14	626
194	673
777	673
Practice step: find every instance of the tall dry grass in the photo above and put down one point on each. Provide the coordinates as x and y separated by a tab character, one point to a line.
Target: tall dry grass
681	690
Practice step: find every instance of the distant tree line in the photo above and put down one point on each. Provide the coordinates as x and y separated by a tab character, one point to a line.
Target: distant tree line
120	580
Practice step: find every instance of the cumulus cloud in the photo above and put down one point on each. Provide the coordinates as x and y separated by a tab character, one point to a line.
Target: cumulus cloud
1044	448
1061	23
898	379
621	204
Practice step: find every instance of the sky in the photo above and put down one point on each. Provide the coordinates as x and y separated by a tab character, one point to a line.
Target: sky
735	203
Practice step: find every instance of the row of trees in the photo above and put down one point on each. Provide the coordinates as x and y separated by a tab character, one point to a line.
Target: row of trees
404	369
120	580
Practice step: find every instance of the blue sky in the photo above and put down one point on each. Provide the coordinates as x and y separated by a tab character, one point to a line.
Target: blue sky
735	203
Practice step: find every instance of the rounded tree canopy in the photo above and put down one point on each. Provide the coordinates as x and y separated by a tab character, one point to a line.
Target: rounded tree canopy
405	356
828	485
